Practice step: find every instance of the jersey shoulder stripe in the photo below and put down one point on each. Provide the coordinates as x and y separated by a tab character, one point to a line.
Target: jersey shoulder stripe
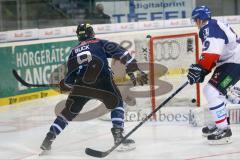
212	30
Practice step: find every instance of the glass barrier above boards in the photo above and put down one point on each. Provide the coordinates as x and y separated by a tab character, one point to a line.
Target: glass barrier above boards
30	14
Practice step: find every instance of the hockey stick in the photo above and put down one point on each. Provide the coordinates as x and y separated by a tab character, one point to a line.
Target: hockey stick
23	82
101	154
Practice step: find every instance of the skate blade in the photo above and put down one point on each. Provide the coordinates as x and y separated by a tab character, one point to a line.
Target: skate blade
126	148
226	140
44	152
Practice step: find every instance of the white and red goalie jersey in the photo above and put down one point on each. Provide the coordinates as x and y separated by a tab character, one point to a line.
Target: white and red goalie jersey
220	45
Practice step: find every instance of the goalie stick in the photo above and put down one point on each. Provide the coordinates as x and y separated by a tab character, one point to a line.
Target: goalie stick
23	82
101	154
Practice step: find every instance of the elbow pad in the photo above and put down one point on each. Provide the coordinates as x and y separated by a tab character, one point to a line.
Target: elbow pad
208	60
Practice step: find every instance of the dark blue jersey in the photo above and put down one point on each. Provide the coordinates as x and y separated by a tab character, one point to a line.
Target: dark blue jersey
94	50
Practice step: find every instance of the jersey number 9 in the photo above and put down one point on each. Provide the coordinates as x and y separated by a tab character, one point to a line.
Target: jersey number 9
84	57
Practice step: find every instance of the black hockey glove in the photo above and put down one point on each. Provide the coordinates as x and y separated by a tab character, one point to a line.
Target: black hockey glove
138	77
135	74
196	74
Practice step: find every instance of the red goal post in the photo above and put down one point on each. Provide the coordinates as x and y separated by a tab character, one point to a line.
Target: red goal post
179	40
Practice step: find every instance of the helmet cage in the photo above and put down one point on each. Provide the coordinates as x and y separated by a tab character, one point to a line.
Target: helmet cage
84	32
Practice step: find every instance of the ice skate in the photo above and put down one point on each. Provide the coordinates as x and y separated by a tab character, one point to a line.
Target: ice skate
46	144
127	145
221	136
206	131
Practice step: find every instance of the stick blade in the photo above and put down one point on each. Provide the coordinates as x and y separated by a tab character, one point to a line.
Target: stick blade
19	78
24	83
95	153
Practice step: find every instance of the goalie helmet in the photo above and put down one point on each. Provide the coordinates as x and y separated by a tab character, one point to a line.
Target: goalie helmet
201	12
85	31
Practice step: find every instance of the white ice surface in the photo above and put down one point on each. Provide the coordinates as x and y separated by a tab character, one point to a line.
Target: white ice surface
24	126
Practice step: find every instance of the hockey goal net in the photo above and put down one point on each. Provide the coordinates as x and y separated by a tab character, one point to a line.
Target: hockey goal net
166	59
169	58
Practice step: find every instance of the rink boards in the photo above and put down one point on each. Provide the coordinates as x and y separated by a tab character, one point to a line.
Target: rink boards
35	60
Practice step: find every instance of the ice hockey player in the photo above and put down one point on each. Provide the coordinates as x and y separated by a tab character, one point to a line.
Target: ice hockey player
88	77
221	51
